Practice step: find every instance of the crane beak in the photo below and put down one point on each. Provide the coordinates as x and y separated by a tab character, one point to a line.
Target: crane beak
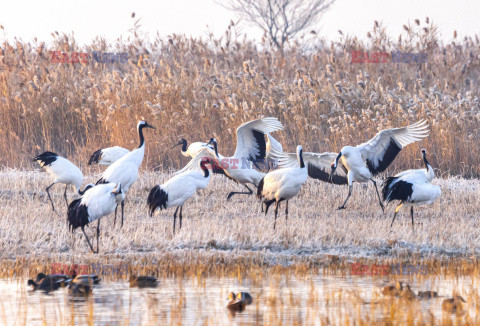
331	174
177	144
149	126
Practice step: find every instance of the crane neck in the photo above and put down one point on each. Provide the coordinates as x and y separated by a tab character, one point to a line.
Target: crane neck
206	166
430	174
337	159
300	159
427	166
215	148
140	135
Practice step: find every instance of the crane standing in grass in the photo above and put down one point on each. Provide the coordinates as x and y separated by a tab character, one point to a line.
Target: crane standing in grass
125	170
176	191
411	187
367	160
283	184
63	171
98	201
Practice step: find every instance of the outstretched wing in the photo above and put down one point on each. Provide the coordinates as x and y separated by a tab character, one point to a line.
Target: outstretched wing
381	150
251	138
318	165
194	164
272	145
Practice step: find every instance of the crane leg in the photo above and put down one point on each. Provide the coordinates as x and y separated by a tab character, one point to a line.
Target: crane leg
348	196
123	205
261	203
174	218
88	241
98	233
411	212
378	195
181	209
240	193
276	213
48	193
65	195
286	212
396	211
115	218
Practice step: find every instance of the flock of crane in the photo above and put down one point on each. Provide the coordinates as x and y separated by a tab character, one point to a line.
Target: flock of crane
254	145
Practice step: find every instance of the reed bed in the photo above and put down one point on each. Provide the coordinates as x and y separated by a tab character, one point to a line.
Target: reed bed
197	88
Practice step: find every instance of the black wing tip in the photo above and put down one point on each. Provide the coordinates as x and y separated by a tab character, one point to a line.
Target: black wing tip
157	198
395	189
322	175
95	158
262	145
390	154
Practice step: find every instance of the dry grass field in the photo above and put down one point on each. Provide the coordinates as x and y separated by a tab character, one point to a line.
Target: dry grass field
449	227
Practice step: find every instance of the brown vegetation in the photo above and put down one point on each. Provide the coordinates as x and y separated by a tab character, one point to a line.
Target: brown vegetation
196	88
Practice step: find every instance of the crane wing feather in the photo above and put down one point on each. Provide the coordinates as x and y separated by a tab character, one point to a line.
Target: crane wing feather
194	163
380	151
251	138
318	165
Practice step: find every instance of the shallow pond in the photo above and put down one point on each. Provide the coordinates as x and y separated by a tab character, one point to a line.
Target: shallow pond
279	299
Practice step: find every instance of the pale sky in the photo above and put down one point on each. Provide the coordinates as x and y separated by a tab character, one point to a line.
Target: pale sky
111	19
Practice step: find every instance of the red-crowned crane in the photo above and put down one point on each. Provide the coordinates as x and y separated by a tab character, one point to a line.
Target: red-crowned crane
282	184
367	160
251	148
63	171
97	202
125	170
176	191
411	187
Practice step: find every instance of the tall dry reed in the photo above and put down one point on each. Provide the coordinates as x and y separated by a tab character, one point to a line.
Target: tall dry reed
197	88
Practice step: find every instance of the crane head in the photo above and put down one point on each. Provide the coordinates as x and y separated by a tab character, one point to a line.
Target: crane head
144	124
182	142
117	190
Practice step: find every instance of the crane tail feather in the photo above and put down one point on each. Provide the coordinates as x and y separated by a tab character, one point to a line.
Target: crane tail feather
395	189
77	214
157	198
95	158
46	158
